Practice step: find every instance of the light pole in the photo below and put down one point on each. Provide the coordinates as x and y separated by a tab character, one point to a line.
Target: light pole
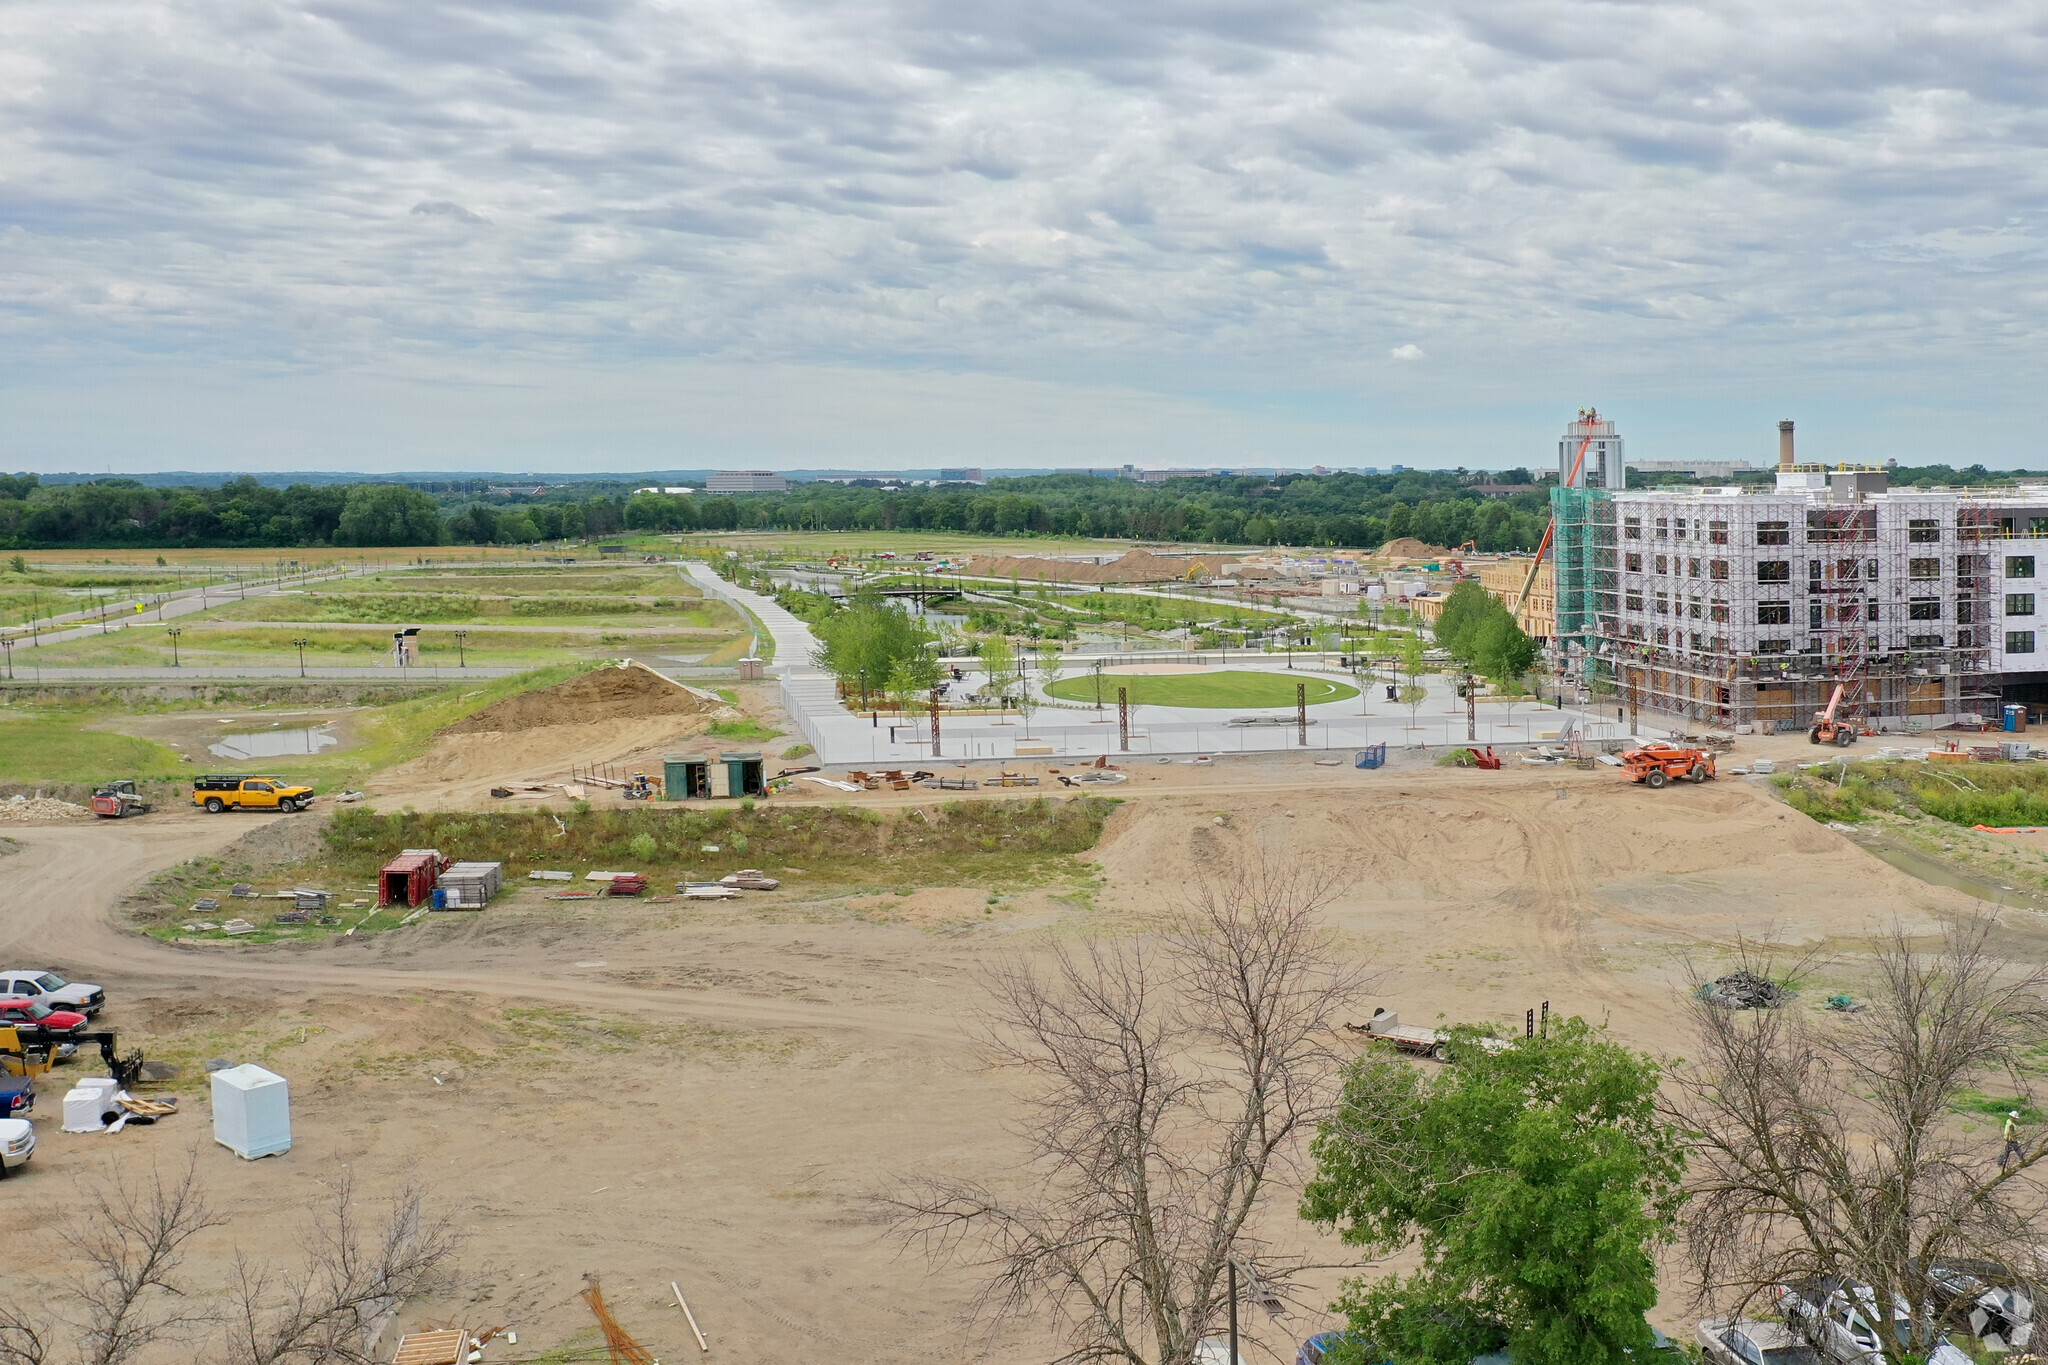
7	643
461	658
301	642
174	633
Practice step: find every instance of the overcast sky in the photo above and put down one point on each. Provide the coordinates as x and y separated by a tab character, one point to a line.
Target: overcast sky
549	234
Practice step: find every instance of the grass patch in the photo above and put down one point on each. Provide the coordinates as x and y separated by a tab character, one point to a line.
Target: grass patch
746	728
1965	794
56	747
1225	688
1976	1102
961	843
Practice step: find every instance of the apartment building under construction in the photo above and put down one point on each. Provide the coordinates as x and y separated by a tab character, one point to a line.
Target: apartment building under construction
1746	606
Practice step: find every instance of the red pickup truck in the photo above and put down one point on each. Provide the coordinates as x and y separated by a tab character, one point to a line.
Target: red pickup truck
34	1016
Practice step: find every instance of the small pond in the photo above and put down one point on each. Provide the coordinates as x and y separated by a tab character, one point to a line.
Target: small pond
274	743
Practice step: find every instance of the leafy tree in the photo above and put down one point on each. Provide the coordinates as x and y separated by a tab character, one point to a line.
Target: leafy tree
1483	635
863	644
386	514
1535	1181
999	662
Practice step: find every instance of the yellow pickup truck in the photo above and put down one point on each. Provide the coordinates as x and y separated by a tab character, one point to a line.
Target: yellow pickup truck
218	792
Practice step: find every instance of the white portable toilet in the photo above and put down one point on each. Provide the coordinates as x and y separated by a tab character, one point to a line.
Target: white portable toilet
86	1104
252	1111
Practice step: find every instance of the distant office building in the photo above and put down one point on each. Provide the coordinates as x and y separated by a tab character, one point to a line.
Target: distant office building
962	476
1092	473
1698	469
746	481
1602	465
673	492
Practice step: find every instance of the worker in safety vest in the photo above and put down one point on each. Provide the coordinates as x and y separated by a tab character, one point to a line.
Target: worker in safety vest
2012	1140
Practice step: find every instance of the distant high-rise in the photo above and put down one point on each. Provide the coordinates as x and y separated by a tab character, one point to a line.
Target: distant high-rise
746	481
1603	466
962	476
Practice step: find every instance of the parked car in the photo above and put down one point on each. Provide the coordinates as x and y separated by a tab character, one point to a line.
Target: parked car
750	879
1750	1341
1986	1300
17	1143
17	1096
32	1016
33	983
1841	1317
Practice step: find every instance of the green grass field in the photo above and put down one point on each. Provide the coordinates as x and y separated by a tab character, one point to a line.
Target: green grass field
207	643
1225	688
55	747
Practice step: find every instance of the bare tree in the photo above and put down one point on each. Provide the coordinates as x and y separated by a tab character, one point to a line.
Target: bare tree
1824	1147
127	1295
1177	1076
331	1309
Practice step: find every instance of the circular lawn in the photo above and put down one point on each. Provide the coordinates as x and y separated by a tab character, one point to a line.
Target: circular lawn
1224	688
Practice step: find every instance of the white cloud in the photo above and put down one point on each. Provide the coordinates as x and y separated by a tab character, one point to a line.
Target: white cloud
1579	201
1408	351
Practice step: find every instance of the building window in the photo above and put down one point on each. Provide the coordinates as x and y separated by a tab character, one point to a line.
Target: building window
1632	528
2037	526
1663	528
1774	613
1813	616
1662	563
1663	635
1965	639
1717	532
1774	533
1719	612
1692	568
1635	632
1634	562
2019	642
1927	532
1678	529
1774	646
2019	566
1923	609
1692	609
1966	610
1633	601
1813	575
1923	568
1663	605
1924	642
1718	570
2019	604
1774	571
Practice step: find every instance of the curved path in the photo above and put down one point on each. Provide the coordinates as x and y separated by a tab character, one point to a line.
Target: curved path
63	890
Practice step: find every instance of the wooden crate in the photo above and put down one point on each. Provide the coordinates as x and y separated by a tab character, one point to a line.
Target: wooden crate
448	1347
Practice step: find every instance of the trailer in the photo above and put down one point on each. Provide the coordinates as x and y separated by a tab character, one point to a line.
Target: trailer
1385	1026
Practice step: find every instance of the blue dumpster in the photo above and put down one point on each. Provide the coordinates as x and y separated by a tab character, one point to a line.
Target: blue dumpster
1372	756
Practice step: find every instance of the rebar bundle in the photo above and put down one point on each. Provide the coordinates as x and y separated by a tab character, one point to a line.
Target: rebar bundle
621	1347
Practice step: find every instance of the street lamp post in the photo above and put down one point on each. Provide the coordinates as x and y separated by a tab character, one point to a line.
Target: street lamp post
174	633
301	642
7	643
461	658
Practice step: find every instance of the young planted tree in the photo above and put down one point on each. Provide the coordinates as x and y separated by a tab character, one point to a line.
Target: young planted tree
1828	1146
999	663
1535	1181
1175	1076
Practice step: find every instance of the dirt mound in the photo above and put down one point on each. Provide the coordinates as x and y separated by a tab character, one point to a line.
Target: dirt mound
1138	566
633	692
1408	547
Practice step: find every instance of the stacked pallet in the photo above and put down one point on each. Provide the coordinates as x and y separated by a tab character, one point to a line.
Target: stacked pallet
469	886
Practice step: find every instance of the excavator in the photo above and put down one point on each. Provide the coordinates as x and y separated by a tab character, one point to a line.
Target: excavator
32	1052
1827	729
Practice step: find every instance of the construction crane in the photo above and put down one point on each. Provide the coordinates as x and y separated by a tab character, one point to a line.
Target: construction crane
1589	418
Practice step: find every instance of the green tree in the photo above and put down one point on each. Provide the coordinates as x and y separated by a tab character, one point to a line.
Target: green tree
1502	649
1536	1182
386	514
999	662
863	644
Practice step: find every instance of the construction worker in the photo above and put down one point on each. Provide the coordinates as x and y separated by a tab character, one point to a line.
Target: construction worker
2012	1140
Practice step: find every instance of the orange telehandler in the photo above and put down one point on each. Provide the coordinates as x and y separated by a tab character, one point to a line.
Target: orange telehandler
1828	730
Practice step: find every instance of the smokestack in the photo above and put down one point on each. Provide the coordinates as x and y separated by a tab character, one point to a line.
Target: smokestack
1784	447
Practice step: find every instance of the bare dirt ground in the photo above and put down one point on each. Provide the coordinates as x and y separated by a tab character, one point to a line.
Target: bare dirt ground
715	1094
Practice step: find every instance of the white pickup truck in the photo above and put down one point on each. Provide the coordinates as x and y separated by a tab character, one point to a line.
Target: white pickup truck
48	988
1385	1026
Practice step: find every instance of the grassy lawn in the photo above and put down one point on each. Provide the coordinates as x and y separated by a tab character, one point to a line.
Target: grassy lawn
823	544
1225	688
55	747
208	643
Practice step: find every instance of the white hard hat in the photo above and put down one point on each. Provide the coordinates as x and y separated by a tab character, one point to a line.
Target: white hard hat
2013	1114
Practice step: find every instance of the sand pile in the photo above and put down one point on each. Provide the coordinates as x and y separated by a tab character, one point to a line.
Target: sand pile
22	810
634	692
1408	547
1138	566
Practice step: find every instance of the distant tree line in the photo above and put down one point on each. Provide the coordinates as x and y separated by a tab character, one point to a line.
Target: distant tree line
1344	510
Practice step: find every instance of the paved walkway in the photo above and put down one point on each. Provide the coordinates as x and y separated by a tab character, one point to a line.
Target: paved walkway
794	643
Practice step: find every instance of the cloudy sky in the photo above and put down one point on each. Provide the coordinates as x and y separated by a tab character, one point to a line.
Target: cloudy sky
547	234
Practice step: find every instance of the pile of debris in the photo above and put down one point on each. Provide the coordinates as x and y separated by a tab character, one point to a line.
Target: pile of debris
1745	991
23	810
